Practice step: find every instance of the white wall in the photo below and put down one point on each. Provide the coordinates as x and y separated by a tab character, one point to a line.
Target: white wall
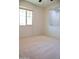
38	21
54	29
54	23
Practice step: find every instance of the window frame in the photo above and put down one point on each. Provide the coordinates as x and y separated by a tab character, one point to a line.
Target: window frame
26	17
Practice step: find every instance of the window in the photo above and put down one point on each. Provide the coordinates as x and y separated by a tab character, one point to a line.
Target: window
25	17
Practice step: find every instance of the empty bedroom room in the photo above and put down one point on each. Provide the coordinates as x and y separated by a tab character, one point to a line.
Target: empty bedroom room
39	29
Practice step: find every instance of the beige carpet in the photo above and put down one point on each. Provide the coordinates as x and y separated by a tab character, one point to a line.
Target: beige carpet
39	47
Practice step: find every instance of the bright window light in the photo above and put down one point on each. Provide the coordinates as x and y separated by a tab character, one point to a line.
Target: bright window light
25	17
22	17
29	17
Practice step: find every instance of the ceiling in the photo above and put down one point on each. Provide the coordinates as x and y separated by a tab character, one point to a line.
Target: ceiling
44	3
